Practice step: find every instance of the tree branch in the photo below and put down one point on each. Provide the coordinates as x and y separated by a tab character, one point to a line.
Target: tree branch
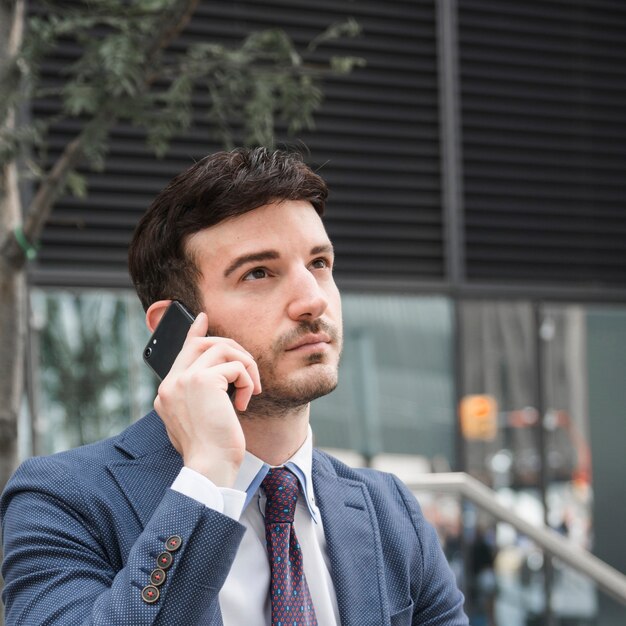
187	9
52	184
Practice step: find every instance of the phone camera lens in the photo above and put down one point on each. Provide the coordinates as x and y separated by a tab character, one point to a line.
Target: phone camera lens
147	353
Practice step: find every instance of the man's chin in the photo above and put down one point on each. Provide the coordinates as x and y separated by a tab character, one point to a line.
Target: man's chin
295	392
315	380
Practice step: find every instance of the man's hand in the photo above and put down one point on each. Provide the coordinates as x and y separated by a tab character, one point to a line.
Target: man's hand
193	402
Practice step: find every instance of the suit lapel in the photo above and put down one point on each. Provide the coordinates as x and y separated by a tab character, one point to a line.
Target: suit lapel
353	544
153	466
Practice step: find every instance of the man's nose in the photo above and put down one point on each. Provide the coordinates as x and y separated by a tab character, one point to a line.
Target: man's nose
308	300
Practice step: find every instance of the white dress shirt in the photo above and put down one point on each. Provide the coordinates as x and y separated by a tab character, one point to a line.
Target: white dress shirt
244	598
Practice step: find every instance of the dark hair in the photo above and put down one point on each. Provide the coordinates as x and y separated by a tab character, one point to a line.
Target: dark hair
222	185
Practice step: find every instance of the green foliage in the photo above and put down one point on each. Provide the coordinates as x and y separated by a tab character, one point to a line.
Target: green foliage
121	75
349	28
77	184
79	98
263	80
344	65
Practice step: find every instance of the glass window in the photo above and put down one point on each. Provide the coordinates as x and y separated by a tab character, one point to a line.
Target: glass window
499	365
396	384
605	347
91	381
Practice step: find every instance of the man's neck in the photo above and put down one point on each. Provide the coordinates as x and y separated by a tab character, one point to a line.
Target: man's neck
276	439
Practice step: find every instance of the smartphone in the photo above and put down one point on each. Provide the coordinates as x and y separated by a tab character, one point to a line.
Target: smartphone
168	338
167	341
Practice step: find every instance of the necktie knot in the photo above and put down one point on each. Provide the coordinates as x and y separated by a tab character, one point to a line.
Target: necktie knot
281	489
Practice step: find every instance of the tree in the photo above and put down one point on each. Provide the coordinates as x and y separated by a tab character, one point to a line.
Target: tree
126	72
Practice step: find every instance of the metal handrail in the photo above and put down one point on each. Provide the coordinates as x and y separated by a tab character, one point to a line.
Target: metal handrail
606	577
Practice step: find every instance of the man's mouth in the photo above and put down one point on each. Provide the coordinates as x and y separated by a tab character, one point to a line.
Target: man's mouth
311	342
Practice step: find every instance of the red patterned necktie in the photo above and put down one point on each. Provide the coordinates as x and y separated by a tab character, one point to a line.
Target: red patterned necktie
291	600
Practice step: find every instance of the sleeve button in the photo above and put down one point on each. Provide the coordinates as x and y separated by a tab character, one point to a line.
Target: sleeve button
157	577
150	594
164	560
173	543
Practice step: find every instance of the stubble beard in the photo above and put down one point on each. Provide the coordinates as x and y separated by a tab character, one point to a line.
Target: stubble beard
281	397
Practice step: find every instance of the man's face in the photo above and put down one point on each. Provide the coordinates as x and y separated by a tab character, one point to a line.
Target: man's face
266	282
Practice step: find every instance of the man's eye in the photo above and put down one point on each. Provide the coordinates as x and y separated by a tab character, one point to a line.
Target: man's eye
320	264
255	274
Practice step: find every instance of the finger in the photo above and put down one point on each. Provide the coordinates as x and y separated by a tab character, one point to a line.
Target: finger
201	344
199	326
223	353
197	343
220	375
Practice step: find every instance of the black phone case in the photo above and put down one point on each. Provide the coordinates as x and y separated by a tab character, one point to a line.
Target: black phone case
168	339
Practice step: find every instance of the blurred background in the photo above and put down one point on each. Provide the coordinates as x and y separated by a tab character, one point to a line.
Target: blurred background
477	168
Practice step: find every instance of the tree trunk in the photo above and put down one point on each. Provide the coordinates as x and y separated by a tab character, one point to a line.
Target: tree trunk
12	341
13	292
13	325
13	310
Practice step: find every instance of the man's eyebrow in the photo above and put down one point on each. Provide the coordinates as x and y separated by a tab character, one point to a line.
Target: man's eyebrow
264	255
324	249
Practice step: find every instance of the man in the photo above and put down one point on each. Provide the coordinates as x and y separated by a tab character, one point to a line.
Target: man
172	521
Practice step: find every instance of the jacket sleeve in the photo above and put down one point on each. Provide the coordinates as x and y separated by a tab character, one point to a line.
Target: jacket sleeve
439	601
61	568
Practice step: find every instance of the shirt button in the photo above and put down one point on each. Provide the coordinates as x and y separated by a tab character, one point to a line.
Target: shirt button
173	543
150	594
164	560
157	577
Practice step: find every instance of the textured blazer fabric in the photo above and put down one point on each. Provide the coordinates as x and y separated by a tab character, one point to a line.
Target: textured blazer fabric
96	536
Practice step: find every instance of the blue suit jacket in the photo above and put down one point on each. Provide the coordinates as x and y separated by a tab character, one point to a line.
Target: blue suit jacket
82	531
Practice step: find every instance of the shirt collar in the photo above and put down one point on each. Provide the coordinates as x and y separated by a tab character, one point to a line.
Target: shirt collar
253	470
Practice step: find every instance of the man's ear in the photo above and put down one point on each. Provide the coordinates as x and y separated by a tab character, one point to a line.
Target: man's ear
155	313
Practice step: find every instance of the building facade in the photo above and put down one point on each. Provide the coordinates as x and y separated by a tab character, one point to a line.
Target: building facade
477	167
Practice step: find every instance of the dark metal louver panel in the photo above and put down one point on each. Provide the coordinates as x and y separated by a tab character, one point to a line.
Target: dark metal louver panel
376	143
543	97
